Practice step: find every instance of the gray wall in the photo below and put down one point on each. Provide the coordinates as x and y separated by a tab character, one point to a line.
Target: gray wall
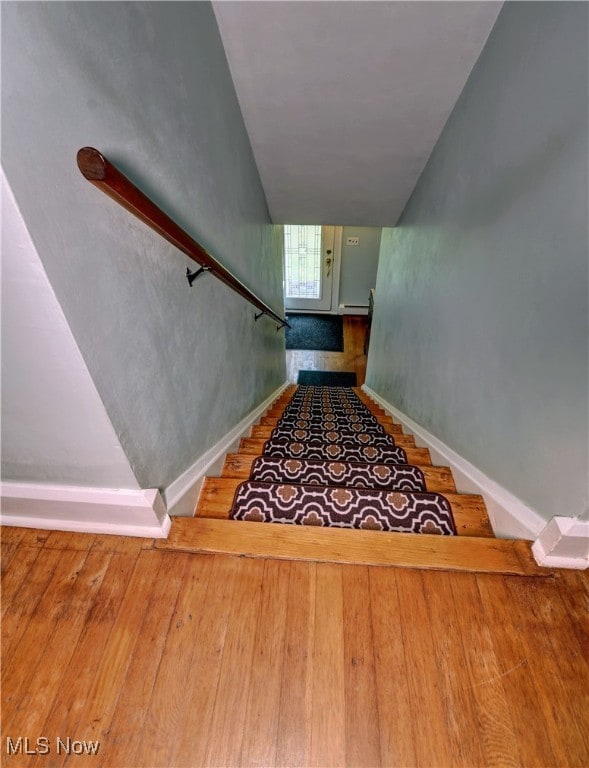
148	84
480	330
359	264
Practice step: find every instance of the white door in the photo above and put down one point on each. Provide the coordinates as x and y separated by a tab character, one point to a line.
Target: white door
308	267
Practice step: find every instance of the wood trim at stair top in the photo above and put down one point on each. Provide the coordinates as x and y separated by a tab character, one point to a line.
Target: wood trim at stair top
310	543
470	515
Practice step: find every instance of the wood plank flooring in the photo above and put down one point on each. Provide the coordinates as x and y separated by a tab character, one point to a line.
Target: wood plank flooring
351	359
175	659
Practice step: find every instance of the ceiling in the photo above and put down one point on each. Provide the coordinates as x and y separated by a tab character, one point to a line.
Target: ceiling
344	101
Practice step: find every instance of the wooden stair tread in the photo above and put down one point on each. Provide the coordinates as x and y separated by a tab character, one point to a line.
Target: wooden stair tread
389	427
277	408
264	432
372	406
255	445
311	543
437	478
470	515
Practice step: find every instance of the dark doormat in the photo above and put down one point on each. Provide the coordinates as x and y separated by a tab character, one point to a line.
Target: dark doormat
327	378
322	332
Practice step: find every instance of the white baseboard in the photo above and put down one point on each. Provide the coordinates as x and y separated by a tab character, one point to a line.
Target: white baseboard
181	495
353	309
326	312
510	517
85	510
564	543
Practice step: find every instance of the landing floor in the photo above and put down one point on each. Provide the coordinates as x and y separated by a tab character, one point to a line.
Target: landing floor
351	359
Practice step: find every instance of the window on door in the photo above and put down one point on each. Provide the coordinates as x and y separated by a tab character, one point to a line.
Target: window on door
302	261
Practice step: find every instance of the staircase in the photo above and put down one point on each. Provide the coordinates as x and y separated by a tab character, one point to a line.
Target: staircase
328	476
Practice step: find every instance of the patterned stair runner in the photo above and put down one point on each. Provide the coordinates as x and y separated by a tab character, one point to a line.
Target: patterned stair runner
344	508
333	413
351	421
316	434
329	462
394	477
329	451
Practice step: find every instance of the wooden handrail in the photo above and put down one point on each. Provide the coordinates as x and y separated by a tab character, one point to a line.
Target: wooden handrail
107	177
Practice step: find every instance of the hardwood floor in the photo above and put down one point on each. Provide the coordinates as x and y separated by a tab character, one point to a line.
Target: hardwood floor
172	659
351	359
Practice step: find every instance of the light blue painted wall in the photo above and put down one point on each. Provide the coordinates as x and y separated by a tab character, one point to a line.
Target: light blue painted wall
359	264
480	329
148	84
